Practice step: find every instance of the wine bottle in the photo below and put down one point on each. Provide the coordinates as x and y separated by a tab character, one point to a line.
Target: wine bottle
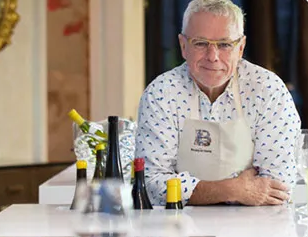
81	176
113	162
179	188
132	173
172	194
139	192
84	125
99	169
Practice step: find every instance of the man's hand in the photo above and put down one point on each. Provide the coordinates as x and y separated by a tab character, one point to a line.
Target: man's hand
253	190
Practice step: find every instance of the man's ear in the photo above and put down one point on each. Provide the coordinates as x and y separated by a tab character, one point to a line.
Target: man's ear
182	45
242	46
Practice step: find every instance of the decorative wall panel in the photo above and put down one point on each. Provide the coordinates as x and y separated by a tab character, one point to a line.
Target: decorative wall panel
68	82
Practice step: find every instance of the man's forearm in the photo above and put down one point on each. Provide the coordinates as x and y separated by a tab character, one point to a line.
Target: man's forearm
212	192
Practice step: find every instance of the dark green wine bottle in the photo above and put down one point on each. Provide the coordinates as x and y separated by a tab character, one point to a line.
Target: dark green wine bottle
132	173
172	194
99	169
81	176
113	162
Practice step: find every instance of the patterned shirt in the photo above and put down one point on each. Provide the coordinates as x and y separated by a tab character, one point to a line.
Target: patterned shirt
267	106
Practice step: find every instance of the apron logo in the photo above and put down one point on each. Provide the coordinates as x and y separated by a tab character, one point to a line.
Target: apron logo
203	138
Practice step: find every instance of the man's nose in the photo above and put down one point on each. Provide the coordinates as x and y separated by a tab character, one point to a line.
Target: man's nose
212	53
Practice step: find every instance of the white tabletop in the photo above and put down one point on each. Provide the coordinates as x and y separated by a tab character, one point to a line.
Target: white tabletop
60	188
57	220
219	221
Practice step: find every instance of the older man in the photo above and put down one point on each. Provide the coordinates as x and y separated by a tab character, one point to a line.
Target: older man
224	126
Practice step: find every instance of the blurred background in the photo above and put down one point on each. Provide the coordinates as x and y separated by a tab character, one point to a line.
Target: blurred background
97	56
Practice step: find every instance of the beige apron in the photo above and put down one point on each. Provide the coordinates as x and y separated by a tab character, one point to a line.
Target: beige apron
215	150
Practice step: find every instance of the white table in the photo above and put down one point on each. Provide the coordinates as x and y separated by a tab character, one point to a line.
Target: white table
45	219
219	221
60	188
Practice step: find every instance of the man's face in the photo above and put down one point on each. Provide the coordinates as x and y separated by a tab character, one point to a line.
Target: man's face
211	67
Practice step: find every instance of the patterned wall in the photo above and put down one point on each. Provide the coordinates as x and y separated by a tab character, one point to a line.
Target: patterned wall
68	82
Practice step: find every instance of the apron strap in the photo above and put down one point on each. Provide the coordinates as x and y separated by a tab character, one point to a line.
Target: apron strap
195	105
235	89
236	95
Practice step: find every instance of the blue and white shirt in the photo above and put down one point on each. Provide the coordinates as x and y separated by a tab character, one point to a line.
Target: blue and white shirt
267	106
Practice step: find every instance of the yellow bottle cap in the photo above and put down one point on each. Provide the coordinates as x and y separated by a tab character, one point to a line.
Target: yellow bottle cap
179	189
81	164
172	190
172	182
132	169
73	114
101	146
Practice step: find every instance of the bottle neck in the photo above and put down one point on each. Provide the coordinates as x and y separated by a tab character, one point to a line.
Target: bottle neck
85	127
99	156
113	131
81	174
113	162
139	177
113	141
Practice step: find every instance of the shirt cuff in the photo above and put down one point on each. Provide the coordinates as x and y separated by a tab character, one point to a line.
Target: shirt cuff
188	184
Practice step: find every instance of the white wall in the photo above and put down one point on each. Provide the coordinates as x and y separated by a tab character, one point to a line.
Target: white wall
117	59
23	88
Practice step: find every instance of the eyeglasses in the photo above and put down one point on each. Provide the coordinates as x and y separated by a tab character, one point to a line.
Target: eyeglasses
202	44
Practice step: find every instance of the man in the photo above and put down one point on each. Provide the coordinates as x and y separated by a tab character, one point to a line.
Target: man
224	126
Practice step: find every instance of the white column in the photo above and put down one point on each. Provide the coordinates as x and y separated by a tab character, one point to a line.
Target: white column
116	57
134	56
23	106
39	80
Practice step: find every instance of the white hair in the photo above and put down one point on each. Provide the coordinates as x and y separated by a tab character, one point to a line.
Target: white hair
217	7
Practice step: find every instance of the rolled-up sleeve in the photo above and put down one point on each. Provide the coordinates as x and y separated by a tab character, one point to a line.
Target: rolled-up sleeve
157	140
277	127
